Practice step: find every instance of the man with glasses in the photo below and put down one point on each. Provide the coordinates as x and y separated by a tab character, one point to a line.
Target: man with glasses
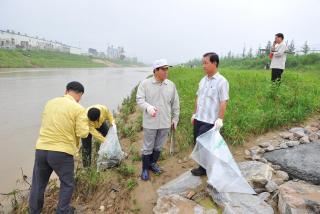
158	98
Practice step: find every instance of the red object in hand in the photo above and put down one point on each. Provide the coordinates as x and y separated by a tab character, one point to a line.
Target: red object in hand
154	114
270	55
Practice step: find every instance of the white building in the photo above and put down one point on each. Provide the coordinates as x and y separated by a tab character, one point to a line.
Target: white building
75	50
11	40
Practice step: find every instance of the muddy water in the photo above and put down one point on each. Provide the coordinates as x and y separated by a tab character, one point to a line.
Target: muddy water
23	94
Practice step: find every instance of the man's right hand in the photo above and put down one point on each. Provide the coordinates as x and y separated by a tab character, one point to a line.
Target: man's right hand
192	119
152	111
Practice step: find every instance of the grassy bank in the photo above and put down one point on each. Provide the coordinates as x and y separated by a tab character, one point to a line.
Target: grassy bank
29	59
255	105
49	59
293	62
296	62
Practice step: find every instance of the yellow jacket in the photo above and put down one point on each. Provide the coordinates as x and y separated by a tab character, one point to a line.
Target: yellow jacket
63	122
105	114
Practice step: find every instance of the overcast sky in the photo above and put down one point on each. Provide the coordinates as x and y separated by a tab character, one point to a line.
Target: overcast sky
178	30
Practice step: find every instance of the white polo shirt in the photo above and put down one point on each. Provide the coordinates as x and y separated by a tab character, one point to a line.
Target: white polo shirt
211	92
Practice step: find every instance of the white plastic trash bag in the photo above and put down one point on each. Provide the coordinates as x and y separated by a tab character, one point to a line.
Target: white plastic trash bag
212	153
110	152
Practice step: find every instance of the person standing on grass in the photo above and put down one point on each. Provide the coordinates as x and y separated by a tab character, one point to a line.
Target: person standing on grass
97	116
278	57
158	98
63	124
211	101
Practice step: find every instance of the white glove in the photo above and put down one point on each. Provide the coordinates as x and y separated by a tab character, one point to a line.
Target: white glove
218	124
174	124
152	111
192	119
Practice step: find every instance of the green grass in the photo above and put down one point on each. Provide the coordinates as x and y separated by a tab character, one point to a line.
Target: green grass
131	184
28	59
126	170
135	154
292	62
128	107
87	180
256	106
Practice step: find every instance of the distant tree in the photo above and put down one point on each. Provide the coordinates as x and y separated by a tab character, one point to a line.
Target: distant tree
259	51
250	54
268	48
305	48
291	47
244	52
229	55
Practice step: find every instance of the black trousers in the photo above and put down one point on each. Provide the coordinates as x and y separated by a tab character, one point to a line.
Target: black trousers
87	145
276	74
199	128
46	162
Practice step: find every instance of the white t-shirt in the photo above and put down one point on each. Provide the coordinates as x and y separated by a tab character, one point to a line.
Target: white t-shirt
279	56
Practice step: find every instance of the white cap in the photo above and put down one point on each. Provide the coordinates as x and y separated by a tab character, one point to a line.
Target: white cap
160	63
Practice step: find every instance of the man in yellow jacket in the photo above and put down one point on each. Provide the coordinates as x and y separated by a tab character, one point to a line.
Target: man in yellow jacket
97	116
63	124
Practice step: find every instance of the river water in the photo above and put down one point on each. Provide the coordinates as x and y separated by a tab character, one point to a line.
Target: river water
23	94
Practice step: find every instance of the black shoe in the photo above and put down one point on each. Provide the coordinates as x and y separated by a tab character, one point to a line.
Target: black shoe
200	171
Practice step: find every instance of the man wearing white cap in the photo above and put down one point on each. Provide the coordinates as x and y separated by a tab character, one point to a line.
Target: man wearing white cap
158	98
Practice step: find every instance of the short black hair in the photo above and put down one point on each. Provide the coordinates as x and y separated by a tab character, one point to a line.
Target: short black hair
75	86
280	35
213	57
93	114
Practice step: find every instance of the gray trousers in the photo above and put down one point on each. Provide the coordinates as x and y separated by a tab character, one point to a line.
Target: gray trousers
46	162
154	139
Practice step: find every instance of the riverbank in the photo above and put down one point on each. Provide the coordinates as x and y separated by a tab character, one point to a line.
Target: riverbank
49	59
255	107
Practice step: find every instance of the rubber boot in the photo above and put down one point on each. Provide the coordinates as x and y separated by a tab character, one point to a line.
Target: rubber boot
145	167
153	162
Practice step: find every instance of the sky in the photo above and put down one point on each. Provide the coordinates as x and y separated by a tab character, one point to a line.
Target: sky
178	30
